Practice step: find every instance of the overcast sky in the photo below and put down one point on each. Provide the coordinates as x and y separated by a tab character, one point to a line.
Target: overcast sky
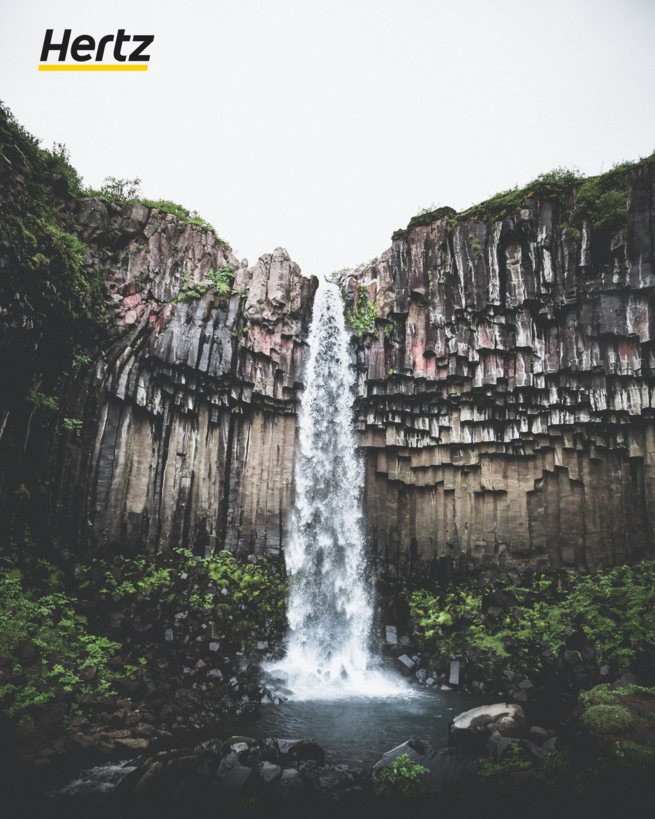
322	127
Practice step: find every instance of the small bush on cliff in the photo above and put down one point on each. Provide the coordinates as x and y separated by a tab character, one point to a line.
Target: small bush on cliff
128	192
220	279
122	191
361	317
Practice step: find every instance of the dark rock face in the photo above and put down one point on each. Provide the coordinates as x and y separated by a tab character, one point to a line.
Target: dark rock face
504	403
188	408
506	406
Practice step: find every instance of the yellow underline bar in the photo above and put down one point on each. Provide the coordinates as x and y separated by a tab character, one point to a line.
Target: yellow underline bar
93	68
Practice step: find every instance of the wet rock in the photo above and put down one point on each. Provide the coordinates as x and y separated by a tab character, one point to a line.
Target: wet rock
301	749
471	730
533	752
391	635
268	772
624	681
445	767
405	664
498	745
235	779
453	678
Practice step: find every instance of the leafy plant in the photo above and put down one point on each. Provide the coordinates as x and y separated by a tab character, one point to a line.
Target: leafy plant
513	762
122	191
362	315
221	280
43	402
400	781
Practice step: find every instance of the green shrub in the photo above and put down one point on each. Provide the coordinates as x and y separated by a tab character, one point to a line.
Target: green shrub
362	315
607	719
65	648
401	781
513	762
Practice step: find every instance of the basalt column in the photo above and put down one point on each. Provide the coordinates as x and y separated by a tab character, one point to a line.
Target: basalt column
507	391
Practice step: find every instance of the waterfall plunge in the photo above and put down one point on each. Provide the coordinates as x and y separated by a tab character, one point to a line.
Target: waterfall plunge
330	609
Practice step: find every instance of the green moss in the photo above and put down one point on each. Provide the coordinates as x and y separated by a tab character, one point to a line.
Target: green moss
600	695
599	199
636	757
513	762
426	216
475	244
607	719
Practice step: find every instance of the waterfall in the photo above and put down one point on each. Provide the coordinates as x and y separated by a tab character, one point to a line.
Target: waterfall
330	609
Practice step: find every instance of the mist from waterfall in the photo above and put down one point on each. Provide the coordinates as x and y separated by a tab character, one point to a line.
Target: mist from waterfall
330	611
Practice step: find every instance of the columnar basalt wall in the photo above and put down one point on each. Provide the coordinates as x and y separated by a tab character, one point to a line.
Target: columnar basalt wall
195	442
506	397
187	408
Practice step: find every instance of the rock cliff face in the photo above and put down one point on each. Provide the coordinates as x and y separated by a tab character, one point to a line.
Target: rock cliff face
195	410
180	424
506	395
506	390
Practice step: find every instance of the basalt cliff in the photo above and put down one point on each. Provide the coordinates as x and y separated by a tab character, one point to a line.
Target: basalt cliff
505	364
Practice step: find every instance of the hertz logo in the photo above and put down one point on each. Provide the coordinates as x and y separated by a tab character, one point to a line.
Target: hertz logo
83	49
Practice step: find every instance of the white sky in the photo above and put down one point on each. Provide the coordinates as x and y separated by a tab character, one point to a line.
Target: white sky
322	127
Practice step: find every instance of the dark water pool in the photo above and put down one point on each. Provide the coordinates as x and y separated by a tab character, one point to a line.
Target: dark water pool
358	730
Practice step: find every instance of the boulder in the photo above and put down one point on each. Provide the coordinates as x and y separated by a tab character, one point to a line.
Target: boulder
406	664
498	745
301	749
235	779
391	635
268	772
444	767
471	730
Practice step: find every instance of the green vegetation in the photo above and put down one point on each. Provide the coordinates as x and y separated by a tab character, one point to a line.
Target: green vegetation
514	761
425	216
602	200
475	244
361	317
128	192
44	614
612	611
401	781
43	619
607	719
221	583
47	263
42	402
121	191
606	712
219	280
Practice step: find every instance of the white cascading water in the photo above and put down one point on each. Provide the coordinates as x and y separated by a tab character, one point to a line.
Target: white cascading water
330	609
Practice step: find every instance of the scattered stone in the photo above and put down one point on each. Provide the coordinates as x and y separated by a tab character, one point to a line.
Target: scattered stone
391	635
406	664
453	678
268	772
235	779
624	681
134	744
471	730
